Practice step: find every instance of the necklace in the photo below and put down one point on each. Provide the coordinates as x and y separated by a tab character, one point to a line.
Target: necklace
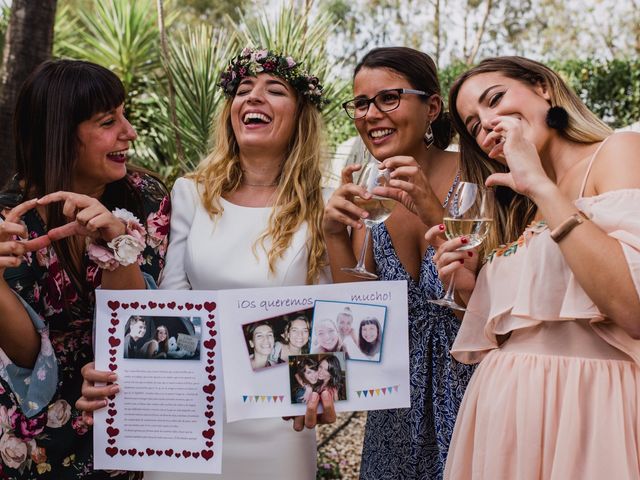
272	184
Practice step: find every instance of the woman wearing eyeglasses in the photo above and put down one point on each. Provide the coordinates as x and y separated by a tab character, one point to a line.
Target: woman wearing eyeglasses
397	110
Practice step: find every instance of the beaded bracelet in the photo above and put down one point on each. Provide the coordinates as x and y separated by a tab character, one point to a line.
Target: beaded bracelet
124	249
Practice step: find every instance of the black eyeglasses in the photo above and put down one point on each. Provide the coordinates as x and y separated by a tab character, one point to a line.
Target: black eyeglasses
385	101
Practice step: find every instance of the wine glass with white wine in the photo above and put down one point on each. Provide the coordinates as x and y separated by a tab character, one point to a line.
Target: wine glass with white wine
379	208
469	214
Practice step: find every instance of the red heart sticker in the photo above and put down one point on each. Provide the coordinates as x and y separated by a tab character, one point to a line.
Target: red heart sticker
112	431
111	451
113	304
209	388
209	306
207	454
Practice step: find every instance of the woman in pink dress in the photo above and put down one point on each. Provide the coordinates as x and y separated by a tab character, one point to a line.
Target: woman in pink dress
554	318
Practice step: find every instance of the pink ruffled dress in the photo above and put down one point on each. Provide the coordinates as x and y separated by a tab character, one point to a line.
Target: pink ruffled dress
559	398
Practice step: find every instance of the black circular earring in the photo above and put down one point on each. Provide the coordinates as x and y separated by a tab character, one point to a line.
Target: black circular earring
557	118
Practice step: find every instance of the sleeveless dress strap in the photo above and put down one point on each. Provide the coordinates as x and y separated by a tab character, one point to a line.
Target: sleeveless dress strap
451	190
586	175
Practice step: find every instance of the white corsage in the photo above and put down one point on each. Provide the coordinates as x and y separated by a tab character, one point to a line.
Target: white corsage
125	249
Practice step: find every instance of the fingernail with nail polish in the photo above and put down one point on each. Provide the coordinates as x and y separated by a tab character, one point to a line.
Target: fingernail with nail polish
441	227
464	240
470	254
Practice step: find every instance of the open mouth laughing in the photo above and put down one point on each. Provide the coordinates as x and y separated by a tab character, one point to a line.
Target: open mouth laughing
256	118
119	156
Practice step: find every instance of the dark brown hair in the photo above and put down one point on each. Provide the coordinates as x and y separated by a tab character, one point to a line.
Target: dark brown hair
53	101
421	72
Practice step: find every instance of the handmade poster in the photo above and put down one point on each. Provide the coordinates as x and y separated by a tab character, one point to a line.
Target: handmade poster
163	346
281	344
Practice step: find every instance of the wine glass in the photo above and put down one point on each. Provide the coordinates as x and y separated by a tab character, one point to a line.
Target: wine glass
469	214
379	208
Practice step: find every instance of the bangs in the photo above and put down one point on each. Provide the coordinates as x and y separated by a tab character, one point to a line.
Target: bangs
98	90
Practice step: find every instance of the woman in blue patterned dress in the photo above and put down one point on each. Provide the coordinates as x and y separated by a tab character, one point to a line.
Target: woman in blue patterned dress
71	142
398	113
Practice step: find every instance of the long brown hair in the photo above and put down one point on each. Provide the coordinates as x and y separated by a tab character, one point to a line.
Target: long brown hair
298	194
53	101
514	211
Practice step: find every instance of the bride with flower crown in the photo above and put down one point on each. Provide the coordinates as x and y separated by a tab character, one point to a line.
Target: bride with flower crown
255	206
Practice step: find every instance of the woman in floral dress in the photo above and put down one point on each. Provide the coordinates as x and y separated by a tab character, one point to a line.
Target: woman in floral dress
71	143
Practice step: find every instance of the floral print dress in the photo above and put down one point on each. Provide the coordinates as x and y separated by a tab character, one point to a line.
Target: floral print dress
42	434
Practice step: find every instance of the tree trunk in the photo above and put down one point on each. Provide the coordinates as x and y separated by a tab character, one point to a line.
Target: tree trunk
29	42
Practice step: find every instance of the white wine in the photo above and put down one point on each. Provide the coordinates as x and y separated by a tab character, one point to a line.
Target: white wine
379	208
475	229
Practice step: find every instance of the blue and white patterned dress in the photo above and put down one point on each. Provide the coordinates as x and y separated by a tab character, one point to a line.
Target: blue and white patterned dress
412	443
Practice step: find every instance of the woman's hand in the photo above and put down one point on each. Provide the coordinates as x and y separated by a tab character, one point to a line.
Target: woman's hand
340	210
93	397
409	186
88	217
449	261
311	417
11	250
526	174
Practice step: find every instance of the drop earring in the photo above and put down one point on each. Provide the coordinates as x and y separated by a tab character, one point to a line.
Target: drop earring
428	136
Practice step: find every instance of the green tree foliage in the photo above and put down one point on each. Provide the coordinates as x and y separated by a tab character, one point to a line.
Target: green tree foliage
611	89
5	11
197	57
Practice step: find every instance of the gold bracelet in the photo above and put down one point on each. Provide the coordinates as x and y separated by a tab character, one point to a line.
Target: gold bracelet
569	224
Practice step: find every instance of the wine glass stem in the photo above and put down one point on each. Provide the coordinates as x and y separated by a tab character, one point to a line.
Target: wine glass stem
451	288
365	244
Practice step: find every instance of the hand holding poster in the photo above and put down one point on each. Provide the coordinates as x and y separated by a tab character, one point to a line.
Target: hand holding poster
279	346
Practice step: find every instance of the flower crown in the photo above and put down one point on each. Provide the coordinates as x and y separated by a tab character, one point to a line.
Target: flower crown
251	62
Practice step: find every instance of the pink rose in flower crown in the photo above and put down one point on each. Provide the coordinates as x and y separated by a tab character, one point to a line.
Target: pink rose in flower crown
13	451
58	414
291	62
260	54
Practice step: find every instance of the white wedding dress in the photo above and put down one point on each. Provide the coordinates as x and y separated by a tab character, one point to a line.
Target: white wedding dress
209	255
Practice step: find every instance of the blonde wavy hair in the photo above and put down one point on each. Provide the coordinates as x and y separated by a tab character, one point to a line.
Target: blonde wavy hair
514	211
298	194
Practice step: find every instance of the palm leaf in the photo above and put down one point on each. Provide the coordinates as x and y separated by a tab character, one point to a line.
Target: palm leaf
197	58
302	36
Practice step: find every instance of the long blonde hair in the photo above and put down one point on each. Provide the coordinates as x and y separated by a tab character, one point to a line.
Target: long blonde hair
298	194
514	211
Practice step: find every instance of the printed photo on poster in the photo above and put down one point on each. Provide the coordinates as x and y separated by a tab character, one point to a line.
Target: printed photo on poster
355	329
271	341
162	338
317	373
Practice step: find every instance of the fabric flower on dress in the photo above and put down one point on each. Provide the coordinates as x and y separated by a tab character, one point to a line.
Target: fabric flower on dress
58	414
14	451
